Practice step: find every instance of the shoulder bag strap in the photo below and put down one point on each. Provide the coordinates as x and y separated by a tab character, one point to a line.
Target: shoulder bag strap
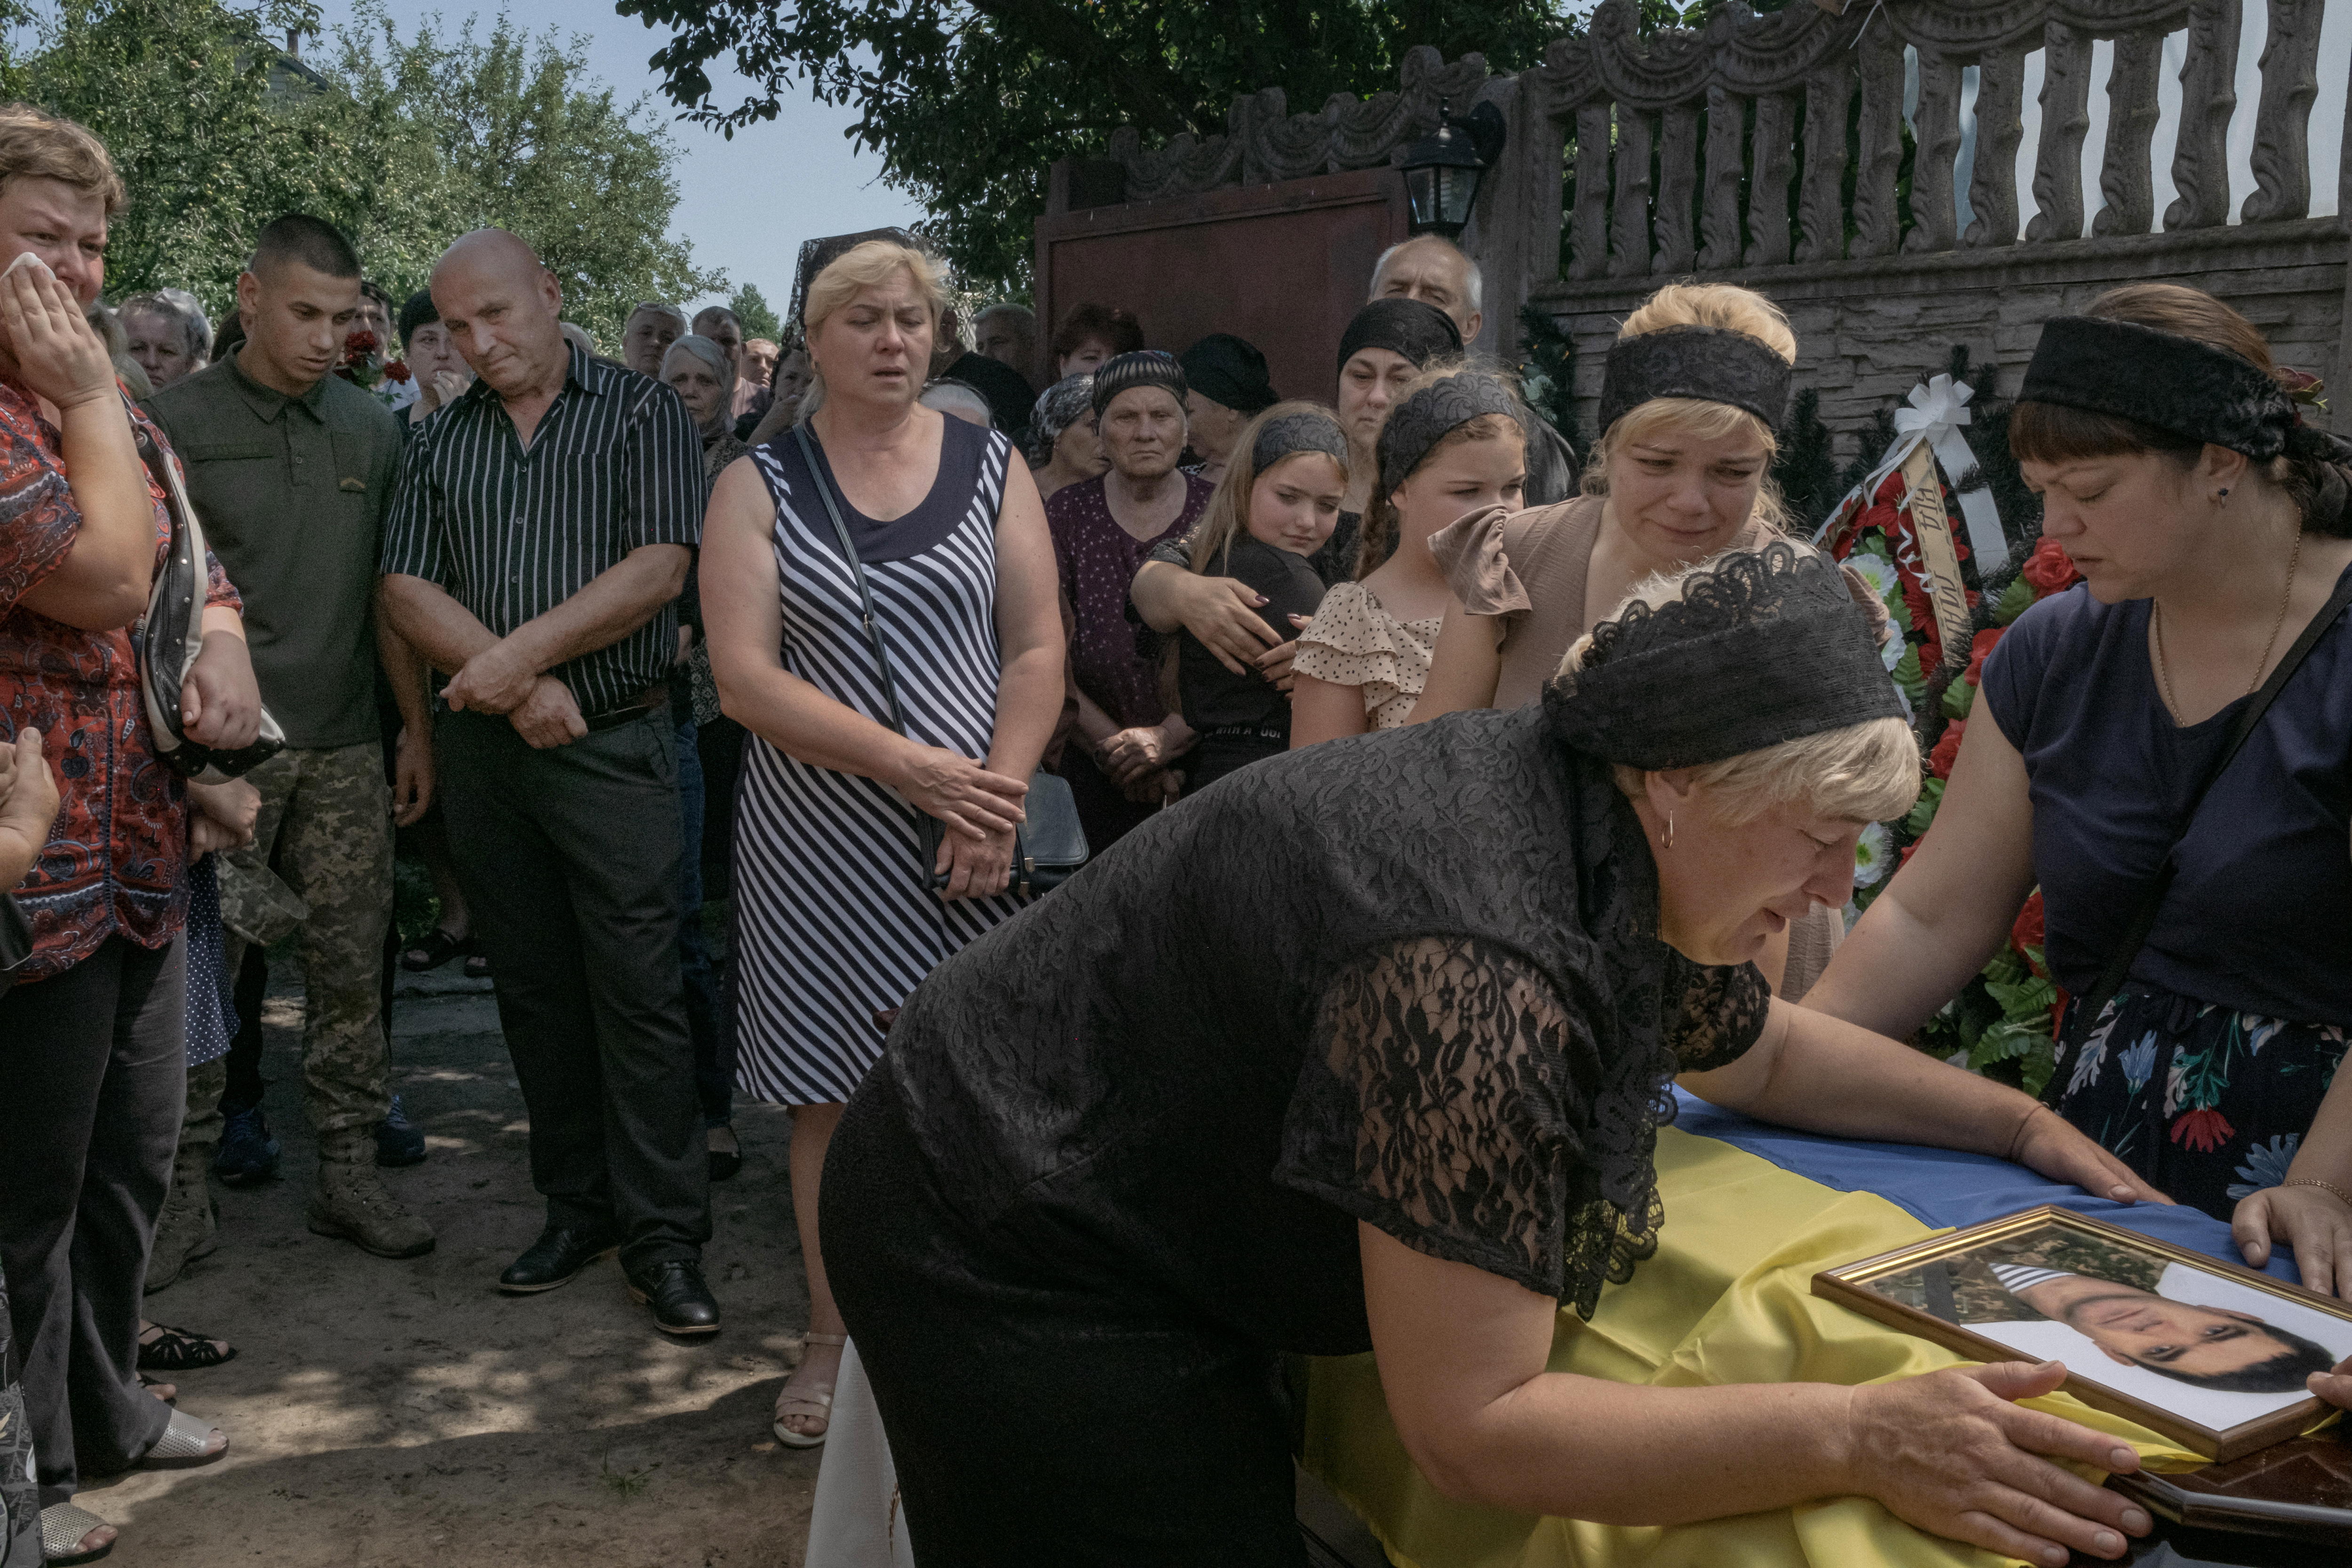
857	575
2151	899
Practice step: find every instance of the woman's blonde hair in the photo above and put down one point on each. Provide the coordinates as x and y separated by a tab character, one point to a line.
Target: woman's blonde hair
1862	773
862	266
1226	517
1732	309
1378	538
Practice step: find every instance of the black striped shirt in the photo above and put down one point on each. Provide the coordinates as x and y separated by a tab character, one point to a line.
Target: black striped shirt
615	464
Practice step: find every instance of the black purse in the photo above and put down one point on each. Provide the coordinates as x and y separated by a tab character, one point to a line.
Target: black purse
1051	846
173	634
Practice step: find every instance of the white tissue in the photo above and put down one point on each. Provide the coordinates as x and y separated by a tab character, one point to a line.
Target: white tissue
26	258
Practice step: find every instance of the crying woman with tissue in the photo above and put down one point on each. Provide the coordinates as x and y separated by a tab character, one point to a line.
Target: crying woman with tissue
92	1061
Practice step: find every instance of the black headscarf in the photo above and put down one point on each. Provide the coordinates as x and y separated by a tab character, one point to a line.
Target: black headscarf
1419	331
1229	370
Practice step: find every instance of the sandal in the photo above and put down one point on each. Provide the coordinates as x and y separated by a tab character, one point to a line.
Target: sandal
478	966
166	1392
437	949
813	1401
186	1442
64	1528
177	1349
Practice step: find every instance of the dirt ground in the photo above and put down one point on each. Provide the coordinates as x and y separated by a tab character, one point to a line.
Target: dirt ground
385	1414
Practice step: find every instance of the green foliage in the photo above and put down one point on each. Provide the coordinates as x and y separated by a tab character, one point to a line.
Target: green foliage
404	144
967	102
756	315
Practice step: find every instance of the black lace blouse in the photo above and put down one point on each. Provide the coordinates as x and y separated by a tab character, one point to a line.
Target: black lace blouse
1409	977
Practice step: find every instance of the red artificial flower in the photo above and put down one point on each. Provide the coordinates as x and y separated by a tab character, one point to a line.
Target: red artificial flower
1947	750
397	369
2049	568
1978	646
1923	621
1909	850
2202	1130
2028	931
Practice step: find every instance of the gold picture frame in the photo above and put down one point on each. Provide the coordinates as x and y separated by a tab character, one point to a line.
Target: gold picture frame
1879	1286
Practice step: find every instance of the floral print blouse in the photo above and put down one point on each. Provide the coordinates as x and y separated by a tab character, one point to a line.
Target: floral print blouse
116	860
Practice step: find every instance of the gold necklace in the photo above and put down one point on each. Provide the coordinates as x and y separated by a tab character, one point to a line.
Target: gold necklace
2164	673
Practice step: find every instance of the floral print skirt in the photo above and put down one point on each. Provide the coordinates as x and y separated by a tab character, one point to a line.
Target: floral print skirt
2208	1105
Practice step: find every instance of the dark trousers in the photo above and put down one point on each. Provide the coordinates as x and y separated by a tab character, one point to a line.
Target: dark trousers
569	858
706	1014
93	1075
1123	1428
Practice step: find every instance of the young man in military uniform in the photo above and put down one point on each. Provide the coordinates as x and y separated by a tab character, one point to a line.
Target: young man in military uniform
291	469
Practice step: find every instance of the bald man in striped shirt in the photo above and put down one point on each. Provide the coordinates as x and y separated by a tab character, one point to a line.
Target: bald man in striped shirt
541	532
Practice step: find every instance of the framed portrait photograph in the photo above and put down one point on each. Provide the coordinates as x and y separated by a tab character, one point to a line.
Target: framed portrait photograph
2211	1354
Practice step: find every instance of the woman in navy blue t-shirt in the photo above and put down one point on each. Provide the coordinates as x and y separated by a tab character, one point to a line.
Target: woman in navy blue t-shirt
2209	528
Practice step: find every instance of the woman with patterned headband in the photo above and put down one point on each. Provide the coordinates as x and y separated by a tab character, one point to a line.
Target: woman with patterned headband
2212	531
1401	1092
1455	443
1696	384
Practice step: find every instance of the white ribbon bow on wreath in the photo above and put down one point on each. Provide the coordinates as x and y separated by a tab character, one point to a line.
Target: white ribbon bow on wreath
1937	411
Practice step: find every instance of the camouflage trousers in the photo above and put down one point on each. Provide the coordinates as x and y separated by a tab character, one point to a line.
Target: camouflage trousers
326	815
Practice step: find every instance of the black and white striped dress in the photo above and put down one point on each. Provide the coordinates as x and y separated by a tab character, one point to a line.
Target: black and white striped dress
834	918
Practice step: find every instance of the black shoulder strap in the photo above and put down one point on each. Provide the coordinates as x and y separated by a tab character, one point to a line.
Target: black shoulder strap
857	574
2151	899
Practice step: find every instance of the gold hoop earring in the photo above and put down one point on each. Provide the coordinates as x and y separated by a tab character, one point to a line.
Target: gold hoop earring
1666	840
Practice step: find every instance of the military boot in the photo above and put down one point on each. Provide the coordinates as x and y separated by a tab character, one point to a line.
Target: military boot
350	1202
187	1229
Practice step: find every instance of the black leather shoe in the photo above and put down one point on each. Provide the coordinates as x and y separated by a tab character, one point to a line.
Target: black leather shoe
551	1260
682	1303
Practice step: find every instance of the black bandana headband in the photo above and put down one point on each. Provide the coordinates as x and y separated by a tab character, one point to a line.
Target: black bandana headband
1305	431
2162	380
1419	331
1144	367
1415	424
1713	365
1764	645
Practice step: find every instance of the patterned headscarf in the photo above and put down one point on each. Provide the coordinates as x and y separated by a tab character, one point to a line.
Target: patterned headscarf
1144	367
1059	406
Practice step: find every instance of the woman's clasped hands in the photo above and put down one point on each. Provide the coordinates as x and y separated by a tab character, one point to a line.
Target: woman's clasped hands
980	808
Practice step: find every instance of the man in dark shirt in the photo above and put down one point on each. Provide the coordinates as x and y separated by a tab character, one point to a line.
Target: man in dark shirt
291	468
540	535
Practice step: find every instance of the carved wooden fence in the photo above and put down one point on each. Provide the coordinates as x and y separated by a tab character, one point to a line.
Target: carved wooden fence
1632	161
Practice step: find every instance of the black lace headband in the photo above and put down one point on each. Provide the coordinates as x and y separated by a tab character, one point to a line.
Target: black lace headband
1416	425
1713	365
2162	380
1308	431
1764	645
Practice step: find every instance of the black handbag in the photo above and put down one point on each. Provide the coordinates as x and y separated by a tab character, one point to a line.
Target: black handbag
2152	892
172	634
1051	846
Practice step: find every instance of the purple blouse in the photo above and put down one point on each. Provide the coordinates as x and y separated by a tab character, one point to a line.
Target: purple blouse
1098	560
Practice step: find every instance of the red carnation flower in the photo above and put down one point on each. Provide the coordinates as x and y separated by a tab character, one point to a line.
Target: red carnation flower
2202	1130
2028	931
2049	568
1978	646
1947	750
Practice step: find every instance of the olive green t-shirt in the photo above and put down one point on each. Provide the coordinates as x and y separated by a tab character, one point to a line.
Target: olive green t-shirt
292	492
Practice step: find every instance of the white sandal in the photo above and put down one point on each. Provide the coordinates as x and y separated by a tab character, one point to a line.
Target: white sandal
186	1440
63	1526
810	1401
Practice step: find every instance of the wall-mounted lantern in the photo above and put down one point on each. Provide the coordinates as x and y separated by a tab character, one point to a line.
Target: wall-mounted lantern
1442	169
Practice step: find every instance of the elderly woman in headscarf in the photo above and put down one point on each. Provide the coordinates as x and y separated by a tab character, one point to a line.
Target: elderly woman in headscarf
1229	387
699	370
1063	445
1388	343
1401	1092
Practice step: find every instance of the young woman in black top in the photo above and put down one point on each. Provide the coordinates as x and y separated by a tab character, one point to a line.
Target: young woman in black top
1276	505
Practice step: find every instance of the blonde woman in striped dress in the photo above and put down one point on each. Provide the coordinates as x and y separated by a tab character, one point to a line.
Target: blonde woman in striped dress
837	918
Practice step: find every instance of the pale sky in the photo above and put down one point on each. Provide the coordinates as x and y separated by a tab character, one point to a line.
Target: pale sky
745	204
